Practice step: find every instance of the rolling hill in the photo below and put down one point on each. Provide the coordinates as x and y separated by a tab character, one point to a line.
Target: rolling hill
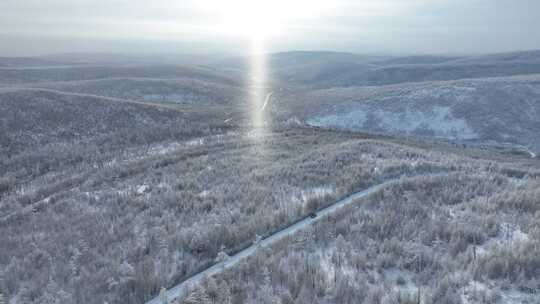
118	182
498	110
327	69
19	76
180	91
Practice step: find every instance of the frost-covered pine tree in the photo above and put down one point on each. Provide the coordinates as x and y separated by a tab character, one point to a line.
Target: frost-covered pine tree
212	290
221	257
198	296
224	296
340	246
74	262
127	272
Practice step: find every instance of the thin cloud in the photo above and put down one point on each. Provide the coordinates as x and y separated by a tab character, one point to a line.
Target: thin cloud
407	26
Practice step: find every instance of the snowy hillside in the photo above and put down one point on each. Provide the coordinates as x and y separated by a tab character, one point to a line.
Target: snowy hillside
501	110
325	70
181	90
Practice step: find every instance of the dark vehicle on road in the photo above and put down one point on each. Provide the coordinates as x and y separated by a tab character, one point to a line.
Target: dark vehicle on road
313	215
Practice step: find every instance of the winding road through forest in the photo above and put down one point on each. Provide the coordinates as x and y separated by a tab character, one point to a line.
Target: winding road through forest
180	290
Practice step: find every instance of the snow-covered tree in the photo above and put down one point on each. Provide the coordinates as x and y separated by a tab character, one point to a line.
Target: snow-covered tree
258	239
126	271
213	290
224	296
221	257
74	262
198	296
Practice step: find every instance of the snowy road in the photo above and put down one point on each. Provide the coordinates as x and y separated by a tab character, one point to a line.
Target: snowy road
180	289
266	101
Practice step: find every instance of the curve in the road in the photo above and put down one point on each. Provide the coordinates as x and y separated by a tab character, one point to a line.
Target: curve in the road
180	290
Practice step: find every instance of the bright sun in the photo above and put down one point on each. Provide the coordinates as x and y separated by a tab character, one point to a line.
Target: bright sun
260	19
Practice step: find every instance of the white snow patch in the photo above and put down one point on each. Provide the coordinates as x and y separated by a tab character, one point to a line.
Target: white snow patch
327	266
439	121
512	233
163	149
306	195
124	192
293	121
469	292
196	142
142	189
351	120
204	193
516	297
330	269
474	291
508	234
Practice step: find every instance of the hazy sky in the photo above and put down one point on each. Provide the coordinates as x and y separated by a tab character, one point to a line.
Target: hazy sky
29	27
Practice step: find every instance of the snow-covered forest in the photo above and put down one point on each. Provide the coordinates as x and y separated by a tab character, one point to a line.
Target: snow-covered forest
457	238
118	183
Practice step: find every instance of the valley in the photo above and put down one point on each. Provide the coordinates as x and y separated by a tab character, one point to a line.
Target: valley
394	180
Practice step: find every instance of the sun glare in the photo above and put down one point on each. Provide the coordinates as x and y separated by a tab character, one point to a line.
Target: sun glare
260	19
258	22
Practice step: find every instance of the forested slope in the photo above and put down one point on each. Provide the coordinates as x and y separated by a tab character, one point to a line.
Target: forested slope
459	238
495	110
